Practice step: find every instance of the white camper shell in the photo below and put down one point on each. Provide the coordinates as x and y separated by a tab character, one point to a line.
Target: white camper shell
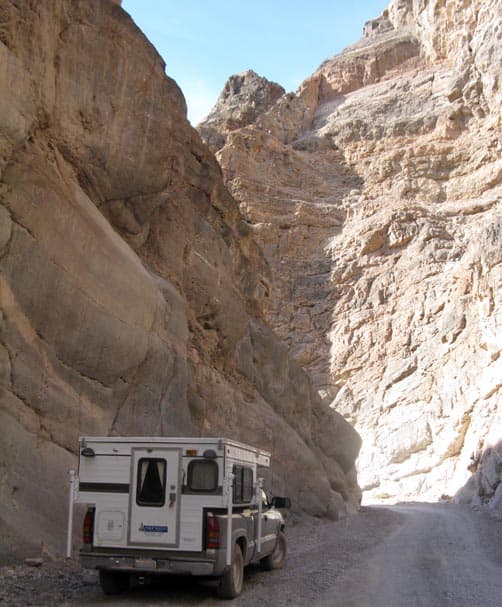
175	505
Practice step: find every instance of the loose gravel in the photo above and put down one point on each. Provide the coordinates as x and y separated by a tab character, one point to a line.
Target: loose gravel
327	564
318	551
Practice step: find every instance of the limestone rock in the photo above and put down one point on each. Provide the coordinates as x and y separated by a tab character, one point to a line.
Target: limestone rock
131	288
375	193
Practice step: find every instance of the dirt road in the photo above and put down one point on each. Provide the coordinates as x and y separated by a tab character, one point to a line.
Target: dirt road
440	555
413	555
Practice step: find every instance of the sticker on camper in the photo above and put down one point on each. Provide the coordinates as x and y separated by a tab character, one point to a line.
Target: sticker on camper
153	528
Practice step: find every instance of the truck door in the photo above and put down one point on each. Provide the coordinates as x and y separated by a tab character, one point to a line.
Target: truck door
269	526
155	497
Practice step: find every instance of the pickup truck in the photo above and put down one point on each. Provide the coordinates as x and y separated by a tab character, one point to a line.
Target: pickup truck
190	506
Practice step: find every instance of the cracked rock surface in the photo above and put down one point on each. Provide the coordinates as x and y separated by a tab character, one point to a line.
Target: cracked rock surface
375	192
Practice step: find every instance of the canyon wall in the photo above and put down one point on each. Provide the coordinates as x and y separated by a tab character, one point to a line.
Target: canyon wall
375	193
131	288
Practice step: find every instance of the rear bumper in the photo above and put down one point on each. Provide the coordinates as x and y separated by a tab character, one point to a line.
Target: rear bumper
177	565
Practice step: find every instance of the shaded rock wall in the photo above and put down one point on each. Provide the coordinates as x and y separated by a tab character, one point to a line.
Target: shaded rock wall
485	485
375	192
131	289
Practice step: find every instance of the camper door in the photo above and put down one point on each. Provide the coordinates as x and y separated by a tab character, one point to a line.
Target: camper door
155	496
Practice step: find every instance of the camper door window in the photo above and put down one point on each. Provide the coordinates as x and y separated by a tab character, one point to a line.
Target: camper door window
151	483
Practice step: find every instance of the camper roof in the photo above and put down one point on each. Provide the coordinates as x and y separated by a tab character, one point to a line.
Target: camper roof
83	440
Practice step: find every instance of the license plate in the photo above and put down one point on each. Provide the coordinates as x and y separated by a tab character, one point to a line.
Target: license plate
145	564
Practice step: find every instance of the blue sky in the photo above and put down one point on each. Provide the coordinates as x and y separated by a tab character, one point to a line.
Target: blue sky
203	42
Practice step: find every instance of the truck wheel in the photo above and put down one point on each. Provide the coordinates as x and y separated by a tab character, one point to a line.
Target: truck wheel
232	580
275	560
113	582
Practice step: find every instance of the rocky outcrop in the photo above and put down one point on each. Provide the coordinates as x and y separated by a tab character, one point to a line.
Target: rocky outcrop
131	289
244	97
375	192
484	488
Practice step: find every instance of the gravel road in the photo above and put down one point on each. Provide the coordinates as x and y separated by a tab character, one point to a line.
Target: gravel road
411	555
439	556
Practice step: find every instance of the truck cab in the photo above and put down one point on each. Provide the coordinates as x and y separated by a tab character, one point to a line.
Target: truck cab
191	506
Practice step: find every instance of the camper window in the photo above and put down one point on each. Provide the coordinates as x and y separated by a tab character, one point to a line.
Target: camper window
151	483
243	484
202	476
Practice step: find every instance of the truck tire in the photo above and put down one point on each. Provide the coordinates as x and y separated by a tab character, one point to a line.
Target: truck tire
232	580
275	560
113	582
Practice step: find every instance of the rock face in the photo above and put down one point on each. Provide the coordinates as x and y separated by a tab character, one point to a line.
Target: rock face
243	99
375	192
485	485
131	289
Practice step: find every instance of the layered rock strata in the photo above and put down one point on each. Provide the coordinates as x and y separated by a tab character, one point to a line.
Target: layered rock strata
375	192
131	289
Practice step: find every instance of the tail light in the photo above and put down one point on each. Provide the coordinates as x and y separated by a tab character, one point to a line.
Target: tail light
88	527
212	532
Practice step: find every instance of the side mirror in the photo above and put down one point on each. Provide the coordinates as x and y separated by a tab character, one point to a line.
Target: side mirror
281	502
